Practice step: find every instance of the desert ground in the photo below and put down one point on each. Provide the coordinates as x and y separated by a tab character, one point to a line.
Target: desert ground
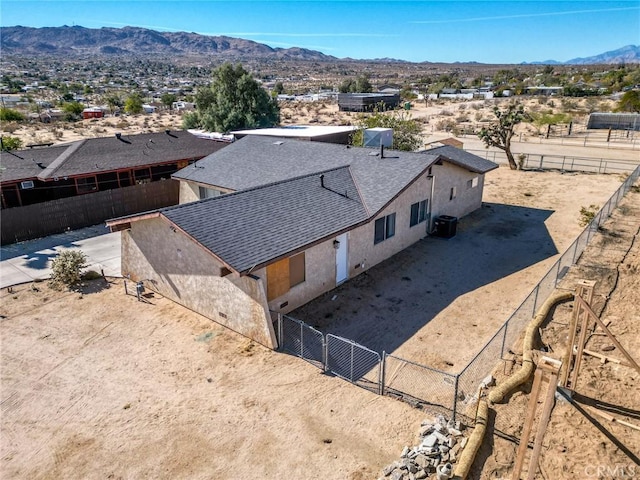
96	384
578	442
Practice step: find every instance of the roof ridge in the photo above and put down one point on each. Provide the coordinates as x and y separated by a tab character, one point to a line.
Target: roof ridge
61	159
266	185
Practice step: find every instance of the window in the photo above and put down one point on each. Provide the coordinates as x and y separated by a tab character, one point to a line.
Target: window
473	183
209	193
418	213
385	227
453	193
284	274
86	184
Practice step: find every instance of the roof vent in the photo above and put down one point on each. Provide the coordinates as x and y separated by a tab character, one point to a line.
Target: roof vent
118	135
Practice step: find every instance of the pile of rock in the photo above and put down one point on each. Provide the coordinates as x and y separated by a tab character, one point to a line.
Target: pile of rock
439	448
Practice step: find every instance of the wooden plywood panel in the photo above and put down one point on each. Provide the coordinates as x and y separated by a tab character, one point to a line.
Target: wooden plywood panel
277	279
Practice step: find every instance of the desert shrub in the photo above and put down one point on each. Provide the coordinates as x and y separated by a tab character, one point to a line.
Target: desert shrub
10	127
66	268
11	143
10	115
462	118
446	125
587	214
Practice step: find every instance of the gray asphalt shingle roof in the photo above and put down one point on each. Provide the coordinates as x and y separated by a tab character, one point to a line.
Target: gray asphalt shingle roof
255	160
254	226
463	159
23	164
96	155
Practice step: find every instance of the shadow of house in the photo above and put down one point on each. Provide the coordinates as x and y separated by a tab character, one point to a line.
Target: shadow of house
497	240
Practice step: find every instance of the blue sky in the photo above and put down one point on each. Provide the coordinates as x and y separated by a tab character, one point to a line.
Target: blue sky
438	31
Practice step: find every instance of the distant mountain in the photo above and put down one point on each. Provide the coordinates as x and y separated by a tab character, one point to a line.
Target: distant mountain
76	40
628	54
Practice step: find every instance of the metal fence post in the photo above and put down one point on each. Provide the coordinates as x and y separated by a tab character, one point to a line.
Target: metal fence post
383	371
504	337
455	397
325	354
280	332
535	300
301	340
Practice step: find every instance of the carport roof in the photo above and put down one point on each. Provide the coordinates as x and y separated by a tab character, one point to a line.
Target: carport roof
253	227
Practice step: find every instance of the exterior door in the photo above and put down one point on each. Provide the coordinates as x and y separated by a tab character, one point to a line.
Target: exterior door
342	269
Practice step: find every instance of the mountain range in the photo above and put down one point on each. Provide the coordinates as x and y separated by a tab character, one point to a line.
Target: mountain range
76	41
131	41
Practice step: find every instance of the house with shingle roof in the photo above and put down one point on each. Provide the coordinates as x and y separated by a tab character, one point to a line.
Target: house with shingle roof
289	220
90	165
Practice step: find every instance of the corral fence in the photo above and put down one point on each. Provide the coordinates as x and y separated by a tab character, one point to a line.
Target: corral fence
56	216
423	386
563	163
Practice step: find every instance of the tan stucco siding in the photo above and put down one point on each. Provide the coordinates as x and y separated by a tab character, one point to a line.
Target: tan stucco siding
467	200
362	249
320	277
361	252
181	270
189	192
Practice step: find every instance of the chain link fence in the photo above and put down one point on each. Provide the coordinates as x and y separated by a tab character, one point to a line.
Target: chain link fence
422	386
353	362
453	394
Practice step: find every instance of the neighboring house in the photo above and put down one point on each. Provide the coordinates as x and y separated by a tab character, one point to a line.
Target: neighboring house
311	133
367	102
304	217
92	112
96	164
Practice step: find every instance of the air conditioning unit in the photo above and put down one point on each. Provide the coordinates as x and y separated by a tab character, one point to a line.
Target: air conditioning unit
26	185
375	137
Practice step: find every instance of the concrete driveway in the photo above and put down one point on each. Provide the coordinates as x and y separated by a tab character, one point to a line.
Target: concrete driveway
27	261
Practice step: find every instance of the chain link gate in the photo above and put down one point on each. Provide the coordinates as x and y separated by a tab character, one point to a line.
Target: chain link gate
353	362
302	340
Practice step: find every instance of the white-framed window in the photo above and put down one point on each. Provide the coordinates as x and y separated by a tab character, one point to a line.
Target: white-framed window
453	193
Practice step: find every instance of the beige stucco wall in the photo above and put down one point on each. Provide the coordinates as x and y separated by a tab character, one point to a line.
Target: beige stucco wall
189	192
175	266
320	277
467	199
363	254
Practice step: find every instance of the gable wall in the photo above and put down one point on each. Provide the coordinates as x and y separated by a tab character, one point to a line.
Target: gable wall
175	266
467	199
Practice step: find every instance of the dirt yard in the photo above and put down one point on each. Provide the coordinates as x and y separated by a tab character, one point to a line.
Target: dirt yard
98	385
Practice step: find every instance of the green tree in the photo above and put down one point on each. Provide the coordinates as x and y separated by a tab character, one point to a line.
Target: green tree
629	102
278	88
167	100
10	115
133	104
234	100
11	143
360	85
73	110
114	102
500	132
406	131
